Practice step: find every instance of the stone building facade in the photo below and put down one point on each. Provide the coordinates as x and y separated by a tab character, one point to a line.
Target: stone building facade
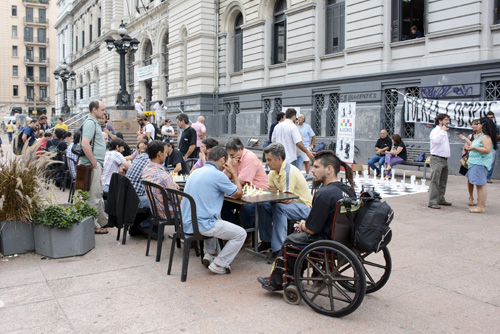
237	62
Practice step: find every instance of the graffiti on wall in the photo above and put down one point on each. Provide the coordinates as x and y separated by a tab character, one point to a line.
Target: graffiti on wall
444	91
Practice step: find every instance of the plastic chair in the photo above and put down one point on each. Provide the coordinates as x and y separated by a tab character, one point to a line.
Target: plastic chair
190	163
174	199
151	188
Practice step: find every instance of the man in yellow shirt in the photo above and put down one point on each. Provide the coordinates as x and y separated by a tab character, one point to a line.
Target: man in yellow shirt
60	124
273	217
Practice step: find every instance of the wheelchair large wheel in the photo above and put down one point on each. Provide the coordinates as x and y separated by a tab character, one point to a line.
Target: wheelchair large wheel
377	268
318	277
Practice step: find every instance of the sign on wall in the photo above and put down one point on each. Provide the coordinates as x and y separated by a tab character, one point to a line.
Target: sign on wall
461	113
146	72
345	132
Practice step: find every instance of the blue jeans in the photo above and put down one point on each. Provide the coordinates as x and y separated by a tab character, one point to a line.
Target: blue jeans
490	172
376	158
246	214
273	221
144	204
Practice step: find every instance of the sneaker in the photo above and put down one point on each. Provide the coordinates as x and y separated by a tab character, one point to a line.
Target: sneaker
264	246
219	270
207	259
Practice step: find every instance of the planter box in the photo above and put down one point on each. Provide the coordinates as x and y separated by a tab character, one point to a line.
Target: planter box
56	243
16	237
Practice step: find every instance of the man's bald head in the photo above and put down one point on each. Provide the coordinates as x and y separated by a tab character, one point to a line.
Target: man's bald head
201	119
383	134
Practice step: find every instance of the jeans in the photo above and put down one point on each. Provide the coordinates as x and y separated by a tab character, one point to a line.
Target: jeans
246	214
376	158
144	204
235	236
10	137
273	221
490	172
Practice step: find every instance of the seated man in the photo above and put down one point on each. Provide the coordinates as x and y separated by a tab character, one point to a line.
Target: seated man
383	144
318	225
273	217
114	162
155	173
175	160
249	170
206	146
207	186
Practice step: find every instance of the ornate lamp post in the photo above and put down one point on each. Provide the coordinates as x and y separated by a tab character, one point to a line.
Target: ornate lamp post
64	75
122	46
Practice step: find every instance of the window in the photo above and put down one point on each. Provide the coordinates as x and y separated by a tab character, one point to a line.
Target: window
98	27
279	32
83	39
148	52
42	54
29	53
90	33
238	44
29	14
14	10
76	43
42	35
43	92
14	50
496	14
15	71
333	108
30	73
492	90
267	111
15	90
335	25
165	63
30	93
406	14
410	127
319	103
130	74
390	104
14	31
81	92
42	15
43	74
28	34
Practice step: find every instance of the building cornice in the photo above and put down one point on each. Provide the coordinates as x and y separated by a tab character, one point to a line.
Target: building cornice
303	8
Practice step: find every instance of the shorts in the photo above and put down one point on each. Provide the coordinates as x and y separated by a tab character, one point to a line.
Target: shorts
303	155
477	175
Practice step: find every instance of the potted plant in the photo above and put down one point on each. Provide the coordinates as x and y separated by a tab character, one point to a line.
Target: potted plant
63	231
22	191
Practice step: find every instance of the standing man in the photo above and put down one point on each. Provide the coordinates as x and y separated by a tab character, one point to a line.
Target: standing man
207	186
308	139
146	127
383	144
187	143
273	217
95	150
43	126
280	117
440	152
201	132
288	135
106	128
249	170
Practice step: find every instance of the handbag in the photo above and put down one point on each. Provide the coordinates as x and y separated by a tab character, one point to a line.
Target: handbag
420	157
77	147
464	161
83	177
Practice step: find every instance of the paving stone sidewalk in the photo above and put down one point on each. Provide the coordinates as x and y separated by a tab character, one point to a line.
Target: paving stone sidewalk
446	268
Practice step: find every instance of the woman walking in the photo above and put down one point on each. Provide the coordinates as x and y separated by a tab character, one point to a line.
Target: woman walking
464	168
480	160
396	155
10	131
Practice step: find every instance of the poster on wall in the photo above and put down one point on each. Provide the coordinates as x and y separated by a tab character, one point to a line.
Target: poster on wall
345	132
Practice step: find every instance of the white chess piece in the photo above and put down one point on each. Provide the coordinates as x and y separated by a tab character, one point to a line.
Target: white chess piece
404	177
412	180
365	174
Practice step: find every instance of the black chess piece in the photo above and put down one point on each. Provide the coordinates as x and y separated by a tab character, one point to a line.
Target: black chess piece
342	145
347	149
343	112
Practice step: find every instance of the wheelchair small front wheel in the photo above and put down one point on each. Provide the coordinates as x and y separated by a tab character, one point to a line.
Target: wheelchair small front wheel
291	295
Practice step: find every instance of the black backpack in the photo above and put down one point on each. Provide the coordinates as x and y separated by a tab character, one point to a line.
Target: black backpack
370	229
158	135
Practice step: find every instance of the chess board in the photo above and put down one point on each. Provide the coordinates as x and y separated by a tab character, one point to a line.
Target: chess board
253	191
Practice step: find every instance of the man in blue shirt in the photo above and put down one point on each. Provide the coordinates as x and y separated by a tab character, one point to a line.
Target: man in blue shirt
29	133
308	139
207	186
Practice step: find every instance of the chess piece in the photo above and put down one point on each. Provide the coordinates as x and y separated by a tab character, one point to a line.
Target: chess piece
412	180
347	150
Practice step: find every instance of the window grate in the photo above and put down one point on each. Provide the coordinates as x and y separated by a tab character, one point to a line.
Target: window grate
492	90
267	110
333	109
236	111
227	112
390	103
410	127
319	103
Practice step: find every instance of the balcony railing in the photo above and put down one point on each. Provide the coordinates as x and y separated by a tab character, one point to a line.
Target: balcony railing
36	20
29	99
41	2
36	60
44	99
35	40
32	79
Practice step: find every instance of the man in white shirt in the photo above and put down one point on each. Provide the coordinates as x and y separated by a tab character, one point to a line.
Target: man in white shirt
288	135
146	128
440	152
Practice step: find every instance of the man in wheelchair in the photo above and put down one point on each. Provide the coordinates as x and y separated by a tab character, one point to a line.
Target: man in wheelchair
318	225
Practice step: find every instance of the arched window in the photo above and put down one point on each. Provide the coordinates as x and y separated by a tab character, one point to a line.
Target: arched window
164	56
279	32
130	74
238	43
148	52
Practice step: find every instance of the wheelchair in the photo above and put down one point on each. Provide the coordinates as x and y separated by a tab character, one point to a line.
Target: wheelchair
331	276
